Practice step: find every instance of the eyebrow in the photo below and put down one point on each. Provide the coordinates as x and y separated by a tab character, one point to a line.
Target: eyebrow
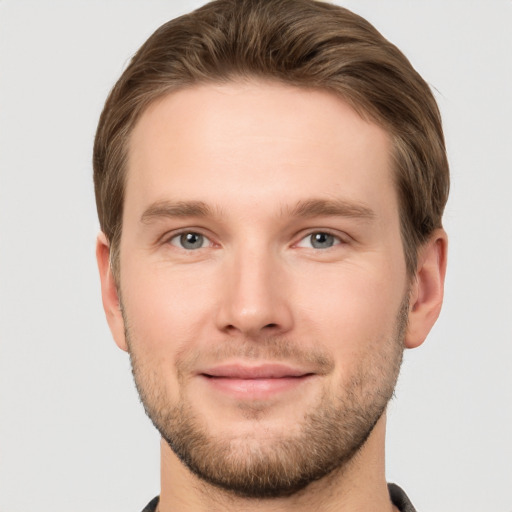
332	207
171	209
303	209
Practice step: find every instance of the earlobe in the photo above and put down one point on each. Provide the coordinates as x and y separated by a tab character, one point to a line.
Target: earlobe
427	290
109	292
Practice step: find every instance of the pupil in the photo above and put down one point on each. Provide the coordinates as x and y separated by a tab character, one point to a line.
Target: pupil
322	240
191	241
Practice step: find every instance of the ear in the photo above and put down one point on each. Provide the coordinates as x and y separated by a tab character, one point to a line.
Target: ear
427	290
109	294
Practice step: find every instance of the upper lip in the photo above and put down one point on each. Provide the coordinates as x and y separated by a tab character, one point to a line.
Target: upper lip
260	371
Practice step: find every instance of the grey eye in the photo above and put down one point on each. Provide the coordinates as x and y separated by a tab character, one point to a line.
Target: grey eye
322	240
189	241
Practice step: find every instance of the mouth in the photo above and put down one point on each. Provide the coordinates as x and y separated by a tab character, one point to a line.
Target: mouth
255	382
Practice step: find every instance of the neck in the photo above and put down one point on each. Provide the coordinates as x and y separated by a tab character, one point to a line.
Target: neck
359	486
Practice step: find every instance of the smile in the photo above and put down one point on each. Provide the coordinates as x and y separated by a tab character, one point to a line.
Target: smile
255	382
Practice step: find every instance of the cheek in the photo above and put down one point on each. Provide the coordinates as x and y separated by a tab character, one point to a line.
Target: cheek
356	322
165	313
166	309
351	309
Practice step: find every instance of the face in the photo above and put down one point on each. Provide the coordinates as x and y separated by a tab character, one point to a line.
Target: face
263	282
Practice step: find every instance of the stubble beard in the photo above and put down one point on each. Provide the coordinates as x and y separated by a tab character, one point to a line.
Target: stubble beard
327	439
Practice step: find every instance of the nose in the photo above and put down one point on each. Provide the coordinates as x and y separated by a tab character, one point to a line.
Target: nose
255	298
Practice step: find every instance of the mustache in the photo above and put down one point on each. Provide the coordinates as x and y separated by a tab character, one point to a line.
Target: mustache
268	349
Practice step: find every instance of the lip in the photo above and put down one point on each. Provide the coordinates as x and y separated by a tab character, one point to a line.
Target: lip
259	382
260	371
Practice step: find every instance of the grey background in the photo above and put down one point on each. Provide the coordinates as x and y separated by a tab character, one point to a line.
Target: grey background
73	436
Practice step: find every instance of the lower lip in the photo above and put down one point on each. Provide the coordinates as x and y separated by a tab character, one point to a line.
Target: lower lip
255	389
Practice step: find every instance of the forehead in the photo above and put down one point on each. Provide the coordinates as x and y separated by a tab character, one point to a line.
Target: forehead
256	142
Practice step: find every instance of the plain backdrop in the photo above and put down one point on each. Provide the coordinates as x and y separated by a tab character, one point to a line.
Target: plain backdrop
73	436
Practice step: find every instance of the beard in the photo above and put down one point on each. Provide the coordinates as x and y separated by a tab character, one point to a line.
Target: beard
326	439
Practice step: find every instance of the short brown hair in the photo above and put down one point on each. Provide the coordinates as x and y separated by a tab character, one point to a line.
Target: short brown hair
305	43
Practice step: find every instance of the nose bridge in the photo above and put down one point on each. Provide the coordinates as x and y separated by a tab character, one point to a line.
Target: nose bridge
254	300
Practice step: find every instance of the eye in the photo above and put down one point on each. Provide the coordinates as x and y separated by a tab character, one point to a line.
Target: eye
319	240
190	241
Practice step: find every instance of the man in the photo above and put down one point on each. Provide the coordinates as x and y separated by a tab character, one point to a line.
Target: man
270	180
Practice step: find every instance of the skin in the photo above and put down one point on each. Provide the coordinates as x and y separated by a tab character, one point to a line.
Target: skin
250	153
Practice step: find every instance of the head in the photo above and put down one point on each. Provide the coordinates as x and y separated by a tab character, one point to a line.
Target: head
270	178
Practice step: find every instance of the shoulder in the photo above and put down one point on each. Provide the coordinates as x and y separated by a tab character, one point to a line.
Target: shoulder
400	499
151	506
